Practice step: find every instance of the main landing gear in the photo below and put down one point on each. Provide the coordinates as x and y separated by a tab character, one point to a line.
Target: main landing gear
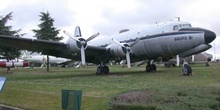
102	70
151	67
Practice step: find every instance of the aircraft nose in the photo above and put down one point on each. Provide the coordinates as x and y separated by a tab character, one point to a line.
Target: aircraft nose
209	36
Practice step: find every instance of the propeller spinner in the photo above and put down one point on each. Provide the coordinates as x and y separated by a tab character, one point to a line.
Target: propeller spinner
127	47
82	42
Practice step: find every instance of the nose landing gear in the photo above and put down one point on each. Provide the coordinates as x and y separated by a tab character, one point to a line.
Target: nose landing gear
187	70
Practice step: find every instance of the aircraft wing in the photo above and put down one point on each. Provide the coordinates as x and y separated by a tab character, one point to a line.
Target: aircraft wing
54	48
47	47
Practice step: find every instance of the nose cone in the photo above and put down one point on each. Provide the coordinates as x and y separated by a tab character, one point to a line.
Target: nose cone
209	36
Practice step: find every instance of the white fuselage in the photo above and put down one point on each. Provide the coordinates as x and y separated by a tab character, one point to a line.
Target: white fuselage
43	58
154	40
141	32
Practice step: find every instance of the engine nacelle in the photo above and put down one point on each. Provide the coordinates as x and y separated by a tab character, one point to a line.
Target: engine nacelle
75	46
117	50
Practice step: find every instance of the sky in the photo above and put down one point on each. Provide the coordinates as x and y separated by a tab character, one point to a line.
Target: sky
109	16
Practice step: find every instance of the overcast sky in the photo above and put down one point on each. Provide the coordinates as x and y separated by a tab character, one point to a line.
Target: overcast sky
110	16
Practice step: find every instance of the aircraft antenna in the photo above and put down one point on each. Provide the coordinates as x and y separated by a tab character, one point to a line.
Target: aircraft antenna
178	18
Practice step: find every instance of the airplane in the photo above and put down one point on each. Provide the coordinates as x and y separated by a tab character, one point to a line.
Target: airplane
39	58
164	40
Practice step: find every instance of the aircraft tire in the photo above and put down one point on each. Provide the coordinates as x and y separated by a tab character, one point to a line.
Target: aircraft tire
154	67
106	70
187	70
99	70
147	68
151	68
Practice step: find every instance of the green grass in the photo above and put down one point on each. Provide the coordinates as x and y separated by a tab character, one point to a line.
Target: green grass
36	89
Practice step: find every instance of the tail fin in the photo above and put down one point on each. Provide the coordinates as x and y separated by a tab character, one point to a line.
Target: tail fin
24	54
78	32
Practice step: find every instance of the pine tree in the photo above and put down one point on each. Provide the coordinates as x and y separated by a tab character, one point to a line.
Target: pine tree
47	31
8	53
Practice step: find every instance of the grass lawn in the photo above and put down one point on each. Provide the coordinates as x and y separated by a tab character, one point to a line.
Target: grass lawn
36	89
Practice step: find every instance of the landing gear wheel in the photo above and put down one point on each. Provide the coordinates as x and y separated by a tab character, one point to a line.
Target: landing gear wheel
102	70
99	70
187	70
148	68
106	70
151	68
154	67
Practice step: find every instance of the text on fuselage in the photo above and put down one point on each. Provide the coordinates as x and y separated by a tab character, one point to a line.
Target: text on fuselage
182	38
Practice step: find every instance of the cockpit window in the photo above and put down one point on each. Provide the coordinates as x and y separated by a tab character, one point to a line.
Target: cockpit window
177	27
187	25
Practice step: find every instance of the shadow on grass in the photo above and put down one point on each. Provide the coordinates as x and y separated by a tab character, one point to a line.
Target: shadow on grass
59	74
136	72
49	76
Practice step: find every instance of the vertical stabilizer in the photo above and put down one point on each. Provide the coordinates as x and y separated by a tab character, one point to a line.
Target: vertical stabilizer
78	32
24	54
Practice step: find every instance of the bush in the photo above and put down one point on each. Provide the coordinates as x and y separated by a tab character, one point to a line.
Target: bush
133	100
124	106
179	99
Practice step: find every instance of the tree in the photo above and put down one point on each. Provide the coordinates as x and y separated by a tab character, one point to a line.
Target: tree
8	53
47	31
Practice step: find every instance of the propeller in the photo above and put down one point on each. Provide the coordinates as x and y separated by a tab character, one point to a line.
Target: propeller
83	43
128	49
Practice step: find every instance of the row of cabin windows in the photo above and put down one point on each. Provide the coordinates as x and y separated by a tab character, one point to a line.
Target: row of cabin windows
177	27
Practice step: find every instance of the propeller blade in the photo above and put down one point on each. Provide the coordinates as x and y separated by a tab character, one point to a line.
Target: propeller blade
128	51
117	42
83	56
128	59
92	37
135	42
71	36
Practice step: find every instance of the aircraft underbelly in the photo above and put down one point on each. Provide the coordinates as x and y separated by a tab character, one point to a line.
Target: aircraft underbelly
167	46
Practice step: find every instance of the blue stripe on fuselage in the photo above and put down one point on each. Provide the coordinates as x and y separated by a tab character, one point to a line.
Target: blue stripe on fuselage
161	35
